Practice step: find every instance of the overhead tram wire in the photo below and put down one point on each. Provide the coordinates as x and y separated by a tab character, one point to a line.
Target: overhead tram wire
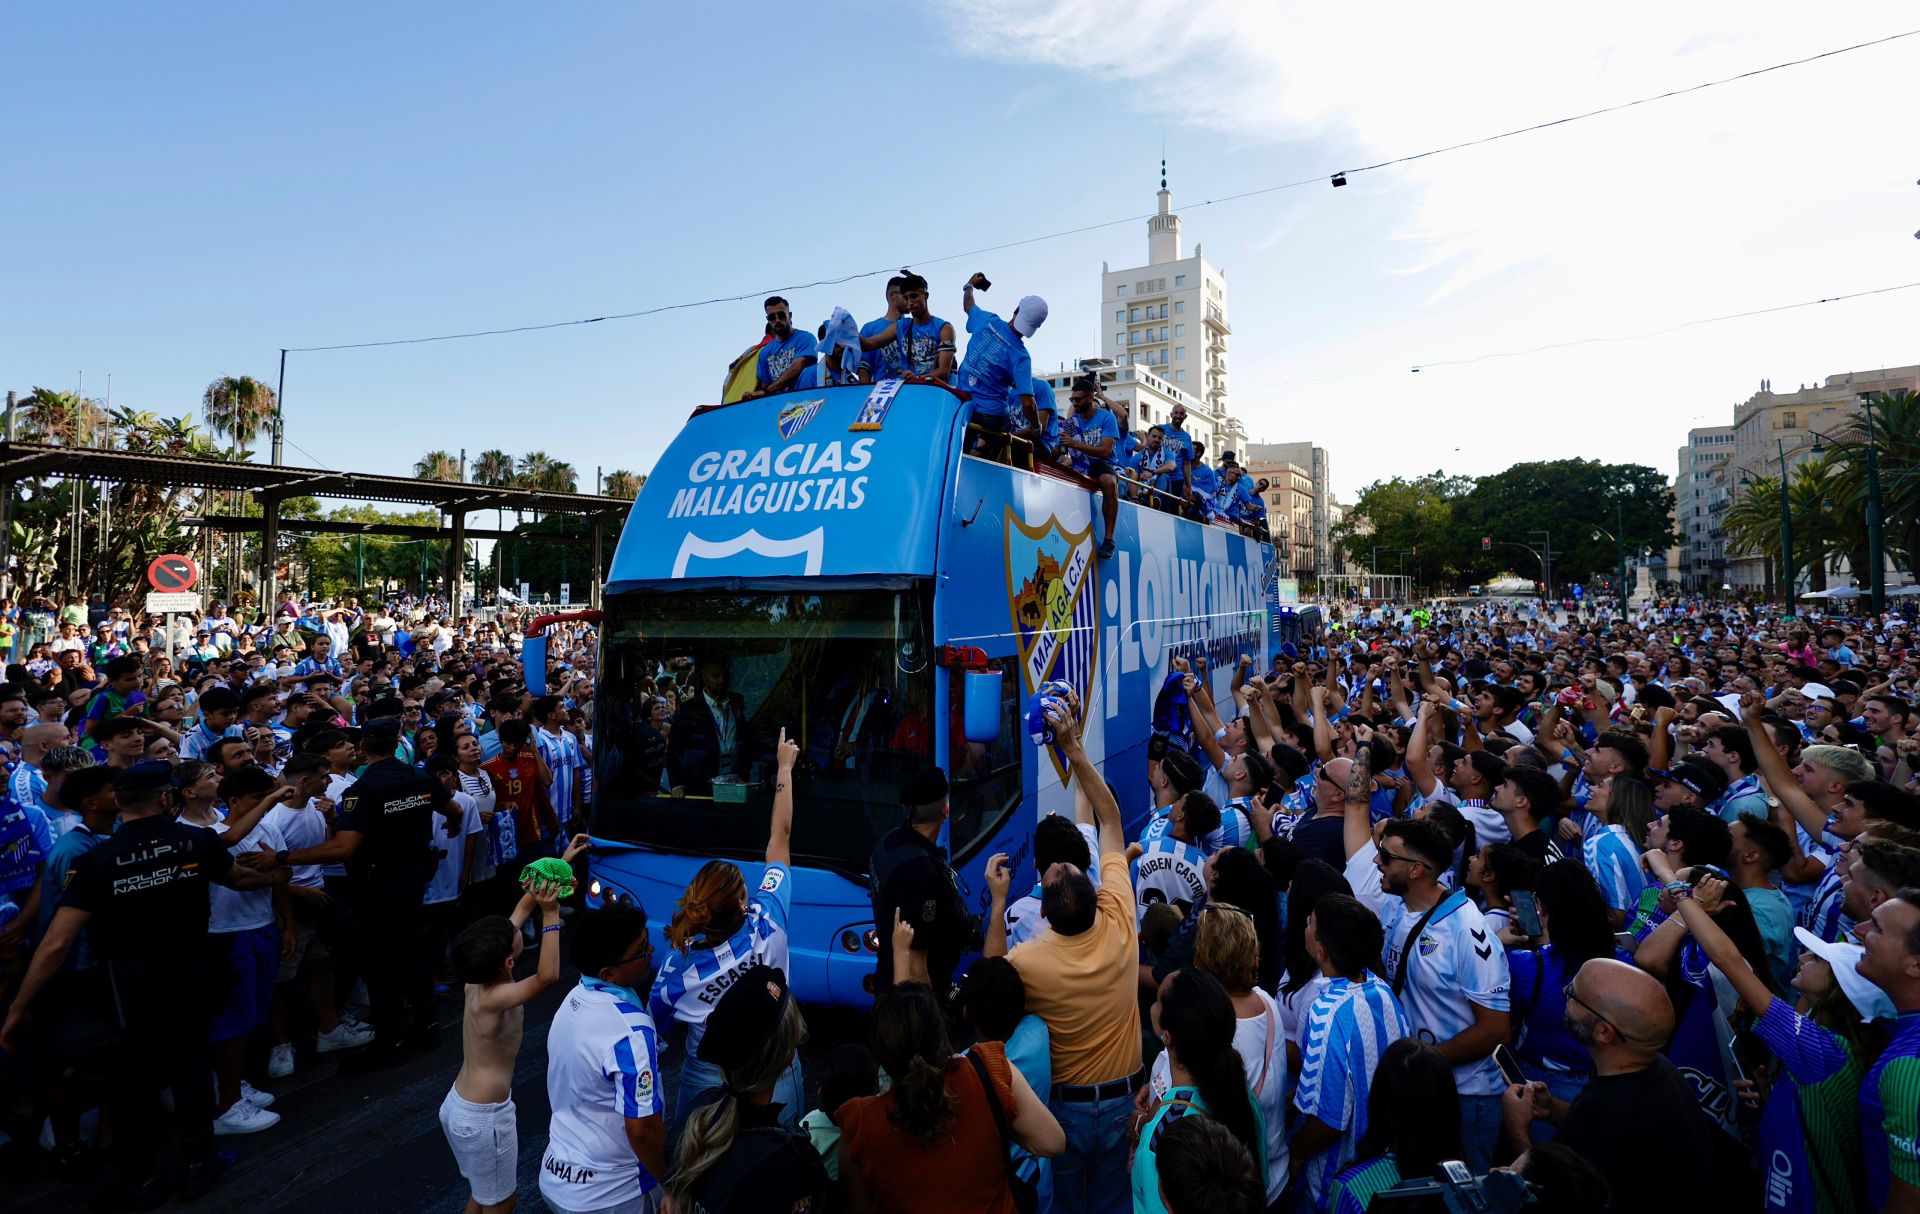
1339	174
1598	339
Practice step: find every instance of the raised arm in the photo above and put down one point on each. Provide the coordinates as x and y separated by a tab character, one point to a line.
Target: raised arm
780	837
515	994
1106	811
1418	768
1357	825
1698	911
1322	728
1202	727
999	880
1774	769
1660	744
979	281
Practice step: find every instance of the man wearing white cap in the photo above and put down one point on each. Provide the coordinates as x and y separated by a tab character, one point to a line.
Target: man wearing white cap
997	371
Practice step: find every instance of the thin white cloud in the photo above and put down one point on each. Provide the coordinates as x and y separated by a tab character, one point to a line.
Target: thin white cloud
1790	186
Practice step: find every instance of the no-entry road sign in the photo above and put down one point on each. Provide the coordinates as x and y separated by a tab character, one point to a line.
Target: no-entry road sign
172	573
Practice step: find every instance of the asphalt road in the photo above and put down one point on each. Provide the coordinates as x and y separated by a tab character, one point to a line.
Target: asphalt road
367	1143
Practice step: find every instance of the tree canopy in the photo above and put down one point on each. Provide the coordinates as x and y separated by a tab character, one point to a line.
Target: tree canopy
1464	530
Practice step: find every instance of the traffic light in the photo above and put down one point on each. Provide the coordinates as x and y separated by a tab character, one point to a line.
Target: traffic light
1486	543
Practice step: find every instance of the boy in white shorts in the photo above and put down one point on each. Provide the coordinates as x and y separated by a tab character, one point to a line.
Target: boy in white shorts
478	1113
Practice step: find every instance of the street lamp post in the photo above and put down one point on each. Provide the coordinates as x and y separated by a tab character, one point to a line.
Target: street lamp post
1620	545
1876	538
1788	573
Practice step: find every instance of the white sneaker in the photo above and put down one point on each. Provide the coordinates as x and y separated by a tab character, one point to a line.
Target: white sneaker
280	1062
344	1037
245	1117
254	1096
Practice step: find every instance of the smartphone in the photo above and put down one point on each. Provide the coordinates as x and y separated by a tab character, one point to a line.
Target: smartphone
1509	1065
1526	912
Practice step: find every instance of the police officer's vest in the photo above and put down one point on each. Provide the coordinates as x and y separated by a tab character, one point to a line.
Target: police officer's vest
888	859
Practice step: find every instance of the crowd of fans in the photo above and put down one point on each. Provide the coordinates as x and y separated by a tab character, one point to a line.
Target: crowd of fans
1014	415
217	864
1615	909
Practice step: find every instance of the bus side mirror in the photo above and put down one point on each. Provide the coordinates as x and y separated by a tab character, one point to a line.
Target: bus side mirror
533	659
981	698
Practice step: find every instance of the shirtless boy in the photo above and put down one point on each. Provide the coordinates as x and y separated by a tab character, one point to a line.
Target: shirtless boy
478	1114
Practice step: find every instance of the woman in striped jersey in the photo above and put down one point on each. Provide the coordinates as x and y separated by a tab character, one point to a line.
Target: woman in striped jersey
719	932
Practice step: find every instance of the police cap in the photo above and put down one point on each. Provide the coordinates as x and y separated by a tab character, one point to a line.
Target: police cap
927	788
148	775
745	1017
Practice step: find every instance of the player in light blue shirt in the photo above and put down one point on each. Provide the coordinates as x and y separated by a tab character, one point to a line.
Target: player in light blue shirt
1041	426
787	363
1348	1027
997	370
714	942
1089	435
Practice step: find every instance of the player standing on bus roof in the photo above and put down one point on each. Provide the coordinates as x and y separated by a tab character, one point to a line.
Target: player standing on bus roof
913	881
786	362
997	371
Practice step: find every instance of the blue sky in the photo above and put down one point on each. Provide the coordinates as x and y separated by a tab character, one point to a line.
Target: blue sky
193	188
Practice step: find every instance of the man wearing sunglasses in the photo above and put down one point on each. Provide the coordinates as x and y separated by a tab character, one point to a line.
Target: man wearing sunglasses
1637	1098
1446	966
787	361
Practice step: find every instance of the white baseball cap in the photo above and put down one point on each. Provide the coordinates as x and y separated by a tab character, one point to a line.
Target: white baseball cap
1871	1002
1029	315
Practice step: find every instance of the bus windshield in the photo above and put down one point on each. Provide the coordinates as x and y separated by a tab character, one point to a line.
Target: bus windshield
696	686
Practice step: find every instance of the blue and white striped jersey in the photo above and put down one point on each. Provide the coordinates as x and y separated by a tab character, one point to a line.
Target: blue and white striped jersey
1347	1029
200	740
1609	854
562	753
603	1066
691	981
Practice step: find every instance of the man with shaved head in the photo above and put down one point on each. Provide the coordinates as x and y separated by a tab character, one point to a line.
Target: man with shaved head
1637	1098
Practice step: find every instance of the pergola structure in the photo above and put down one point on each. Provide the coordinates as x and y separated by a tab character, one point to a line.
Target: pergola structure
271	484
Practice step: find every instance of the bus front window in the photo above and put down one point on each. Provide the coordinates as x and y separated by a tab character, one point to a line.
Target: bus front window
697	686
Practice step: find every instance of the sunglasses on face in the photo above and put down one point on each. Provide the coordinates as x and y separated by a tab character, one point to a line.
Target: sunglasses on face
779	316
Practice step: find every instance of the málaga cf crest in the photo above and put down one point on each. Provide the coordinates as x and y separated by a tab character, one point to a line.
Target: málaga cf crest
1052	594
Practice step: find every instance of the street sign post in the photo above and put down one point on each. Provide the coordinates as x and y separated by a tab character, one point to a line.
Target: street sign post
171	577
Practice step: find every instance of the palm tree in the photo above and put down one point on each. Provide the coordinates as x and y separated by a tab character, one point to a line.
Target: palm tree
238	406
437	466
621	483
561	478
493	468
61	417
1896	435
1752	522
534	468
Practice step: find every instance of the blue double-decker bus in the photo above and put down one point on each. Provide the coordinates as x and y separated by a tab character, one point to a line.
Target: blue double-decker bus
834	565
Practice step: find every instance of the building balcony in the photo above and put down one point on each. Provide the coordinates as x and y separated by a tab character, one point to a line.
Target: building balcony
1217	320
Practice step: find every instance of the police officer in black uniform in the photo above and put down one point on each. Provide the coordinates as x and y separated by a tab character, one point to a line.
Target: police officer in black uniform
910	874
386	832
143	897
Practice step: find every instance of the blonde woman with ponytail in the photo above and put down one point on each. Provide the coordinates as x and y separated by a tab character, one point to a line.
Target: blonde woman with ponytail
932	1143
736	1156
718	931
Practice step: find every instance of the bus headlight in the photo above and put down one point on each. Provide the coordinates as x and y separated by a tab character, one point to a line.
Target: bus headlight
872	941
593	888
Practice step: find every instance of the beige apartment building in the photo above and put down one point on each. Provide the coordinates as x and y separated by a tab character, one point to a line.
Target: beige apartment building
1769	422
